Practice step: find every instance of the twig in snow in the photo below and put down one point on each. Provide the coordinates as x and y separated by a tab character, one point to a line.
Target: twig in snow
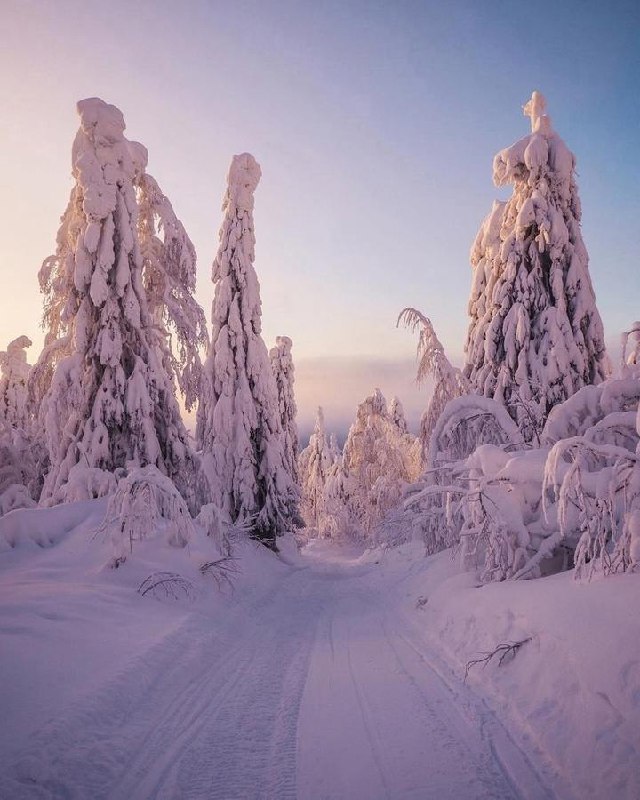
504	652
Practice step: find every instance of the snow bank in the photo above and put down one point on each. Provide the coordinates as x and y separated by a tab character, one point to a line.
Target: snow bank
571	693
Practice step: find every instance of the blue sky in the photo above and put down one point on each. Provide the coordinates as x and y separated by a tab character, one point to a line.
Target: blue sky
375	125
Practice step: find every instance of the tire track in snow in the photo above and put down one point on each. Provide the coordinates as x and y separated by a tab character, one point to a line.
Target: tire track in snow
365	713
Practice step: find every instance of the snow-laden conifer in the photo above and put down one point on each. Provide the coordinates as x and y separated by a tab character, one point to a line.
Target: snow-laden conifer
378	462
283	370
535	335
239	429
315	463
111	401
14	376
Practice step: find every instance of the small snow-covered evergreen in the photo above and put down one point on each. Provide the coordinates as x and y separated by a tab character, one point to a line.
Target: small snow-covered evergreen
283	370
239	429
535	335
315	463
111	401
14	376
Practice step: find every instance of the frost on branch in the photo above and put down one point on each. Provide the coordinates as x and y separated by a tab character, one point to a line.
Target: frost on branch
535	335
283	370
449	382
111	400
239	429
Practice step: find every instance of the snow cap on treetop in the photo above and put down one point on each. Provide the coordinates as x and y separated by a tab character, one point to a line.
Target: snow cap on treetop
243	179
535	108
103	123
285	342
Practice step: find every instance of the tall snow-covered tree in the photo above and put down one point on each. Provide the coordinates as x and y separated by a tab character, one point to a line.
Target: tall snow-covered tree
14	375
239	429
111	402
168	276
316	461
535	335
283	370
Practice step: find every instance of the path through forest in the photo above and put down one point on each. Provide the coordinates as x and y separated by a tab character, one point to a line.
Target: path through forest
320	689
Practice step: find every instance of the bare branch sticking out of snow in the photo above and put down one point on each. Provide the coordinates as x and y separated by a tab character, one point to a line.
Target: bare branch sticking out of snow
222	570
167	586
504	652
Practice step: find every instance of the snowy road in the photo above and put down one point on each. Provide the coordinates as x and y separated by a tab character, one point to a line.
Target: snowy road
319	689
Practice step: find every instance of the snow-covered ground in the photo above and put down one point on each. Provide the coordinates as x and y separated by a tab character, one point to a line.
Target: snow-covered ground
330	674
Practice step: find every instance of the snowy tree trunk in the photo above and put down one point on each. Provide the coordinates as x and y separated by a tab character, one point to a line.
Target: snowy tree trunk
239	429
535	335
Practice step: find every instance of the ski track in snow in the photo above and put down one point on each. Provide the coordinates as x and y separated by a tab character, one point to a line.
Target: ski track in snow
320	690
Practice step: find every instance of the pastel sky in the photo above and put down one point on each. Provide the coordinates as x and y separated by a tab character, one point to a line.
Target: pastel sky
375	124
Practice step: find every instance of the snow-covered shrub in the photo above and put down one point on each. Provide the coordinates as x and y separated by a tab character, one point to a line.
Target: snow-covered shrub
145	503
15	495
220	530
239	430
111	397
449	382
85	483
535	335
18	469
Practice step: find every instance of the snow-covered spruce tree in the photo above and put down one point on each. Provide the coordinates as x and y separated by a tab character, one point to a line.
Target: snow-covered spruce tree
111	402
315	462
283	370
535	335
239	429
378	462
14	375
449	382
